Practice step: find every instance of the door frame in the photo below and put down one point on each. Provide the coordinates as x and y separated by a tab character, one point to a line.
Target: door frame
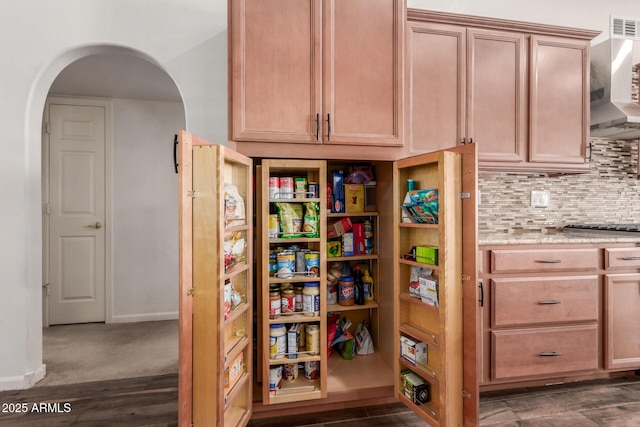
107	104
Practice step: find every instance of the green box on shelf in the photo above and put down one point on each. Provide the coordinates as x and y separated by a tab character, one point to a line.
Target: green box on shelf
427	255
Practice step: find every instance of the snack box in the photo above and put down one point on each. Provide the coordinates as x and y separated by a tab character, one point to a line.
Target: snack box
414	387
338	228
427	255
358	239
354	198
415	352
347	244
233	373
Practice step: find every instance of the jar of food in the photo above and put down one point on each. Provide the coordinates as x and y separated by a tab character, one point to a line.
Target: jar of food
311	299
277	340
298	297
287	302
313	339
274	303
346	291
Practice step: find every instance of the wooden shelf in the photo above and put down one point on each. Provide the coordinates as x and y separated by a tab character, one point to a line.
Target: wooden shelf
234	416
424	411
234	349
337	307
297	390
236	228
428	337
419	264
294	240
424	371
300	277
353	258
235	270
362	372
300	359
231	394
294	318
350	214
412	225
404	296
236	313
296	200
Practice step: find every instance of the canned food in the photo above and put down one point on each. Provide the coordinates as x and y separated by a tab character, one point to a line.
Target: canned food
314	190
274	225
275	378
286	187
286	264
300	185
274	187
301	265
312	370
312	263
290	372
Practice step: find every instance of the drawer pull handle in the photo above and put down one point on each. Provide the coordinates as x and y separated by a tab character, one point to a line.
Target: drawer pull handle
553	301
550	261
550	354
631	258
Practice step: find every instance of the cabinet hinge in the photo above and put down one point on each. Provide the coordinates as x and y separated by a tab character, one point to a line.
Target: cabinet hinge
191	194
465	195
466	277
191	292
47	287
47	128
466	394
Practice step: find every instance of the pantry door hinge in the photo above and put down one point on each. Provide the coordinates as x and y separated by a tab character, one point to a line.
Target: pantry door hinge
191	292
466	277
47	128
465	195
191	194
46	288
466	394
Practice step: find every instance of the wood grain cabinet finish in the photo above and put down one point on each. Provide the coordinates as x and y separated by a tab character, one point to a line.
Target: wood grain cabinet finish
621	258
516	89
622	321
543	260
544	300
536	352
317	71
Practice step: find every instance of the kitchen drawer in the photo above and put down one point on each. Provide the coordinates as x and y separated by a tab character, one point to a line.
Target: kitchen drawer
542	352
543	260
521	301
620	258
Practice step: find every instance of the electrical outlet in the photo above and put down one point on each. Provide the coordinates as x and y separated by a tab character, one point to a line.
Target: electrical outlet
539	199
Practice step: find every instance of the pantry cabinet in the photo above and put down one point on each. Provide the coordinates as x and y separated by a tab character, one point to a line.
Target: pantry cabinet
216	284
310	72
518	90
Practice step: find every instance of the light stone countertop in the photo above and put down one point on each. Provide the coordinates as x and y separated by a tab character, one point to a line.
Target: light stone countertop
567	237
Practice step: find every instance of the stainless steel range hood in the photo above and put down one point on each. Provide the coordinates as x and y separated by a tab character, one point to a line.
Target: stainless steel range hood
615	114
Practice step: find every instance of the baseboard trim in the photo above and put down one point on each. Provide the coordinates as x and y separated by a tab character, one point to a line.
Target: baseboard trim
22	382
146	317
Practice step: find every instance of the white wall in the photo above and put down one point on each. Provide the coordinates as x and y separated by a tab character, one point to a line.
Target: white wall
145	210
187	38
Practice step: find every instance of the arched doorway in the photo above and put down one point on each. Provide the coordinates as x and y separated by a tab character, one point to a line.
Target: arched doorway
143	108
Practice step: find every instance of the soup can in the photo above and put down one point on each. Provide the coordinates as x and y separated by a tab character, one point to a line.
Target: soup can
286	264
312	370
274	187
314	190
286	187
312	263
275	378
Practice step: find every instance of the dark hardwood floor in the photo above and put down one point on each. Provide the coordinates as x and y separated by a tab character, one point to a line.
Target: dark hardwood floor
153	401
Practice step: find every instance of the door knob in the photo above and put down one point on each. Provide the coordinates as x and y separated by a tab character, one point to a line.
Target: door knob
97	225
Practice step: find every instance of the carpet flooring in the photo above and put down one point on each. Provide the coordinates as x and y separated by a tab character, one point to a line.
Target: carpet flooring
97	351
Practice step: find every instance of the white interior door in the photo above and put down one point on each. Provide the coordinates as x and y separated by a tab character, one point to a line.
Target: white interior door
76	214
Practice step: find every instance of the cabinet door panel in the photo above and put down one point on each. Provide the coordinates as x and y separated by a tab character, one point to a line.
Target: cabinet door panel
559	99
435	93
276	70
497	97
363	51
622	298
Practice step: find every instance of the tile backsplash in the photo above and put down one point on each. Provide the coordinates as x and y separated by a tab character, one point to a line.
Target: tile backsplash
609	193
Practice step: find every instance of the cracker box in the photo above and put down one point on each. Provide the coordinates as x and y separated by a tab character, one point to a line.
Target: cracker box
347	244
233	373
338	228
413	351
427	255
414	387
358	239
354	198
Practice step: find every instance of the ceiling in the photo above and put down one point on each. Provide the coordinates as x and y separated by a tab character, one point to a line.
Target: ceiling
115	76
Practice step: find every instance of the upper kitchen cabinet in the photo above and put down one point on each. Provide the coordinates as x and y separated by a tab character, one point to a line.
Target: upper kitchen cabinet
316	71
518	90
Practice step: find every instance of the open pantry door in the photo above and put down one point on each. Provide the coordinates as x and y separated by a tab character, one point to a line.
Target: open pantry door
216	276
436	307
